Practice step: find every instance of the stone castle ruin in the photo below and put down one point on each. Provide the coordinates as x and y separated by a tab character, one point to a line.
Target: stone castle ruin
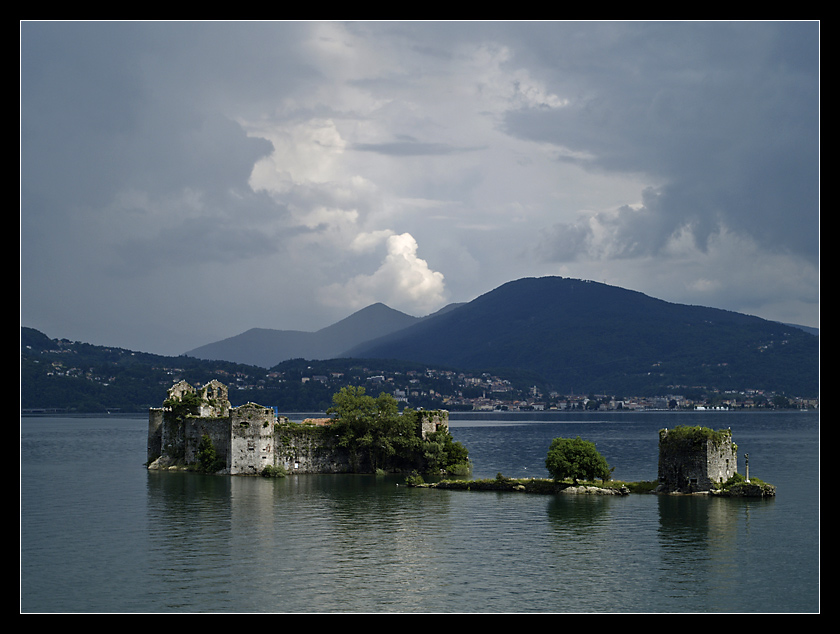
242	436
694	459
247	439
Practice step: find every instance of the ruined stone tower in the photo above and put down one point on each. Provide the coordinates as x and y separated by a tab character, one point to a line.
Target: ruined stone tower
694	459
432	421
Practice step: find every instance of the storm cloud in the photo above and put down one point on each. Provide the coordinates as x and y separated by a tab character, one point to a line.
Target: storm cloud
184	182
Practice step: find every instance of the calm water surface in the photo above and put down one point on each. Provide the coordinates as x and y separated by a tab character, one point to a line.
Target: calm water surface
101	534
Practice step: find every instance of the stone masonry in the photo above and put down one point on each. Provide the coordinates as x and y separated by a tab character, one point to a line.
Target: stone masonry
694	459
242	436
247	438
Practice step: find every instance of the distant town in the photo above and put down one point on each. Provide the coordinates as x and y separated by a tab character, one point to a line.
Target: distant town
59	375
483	392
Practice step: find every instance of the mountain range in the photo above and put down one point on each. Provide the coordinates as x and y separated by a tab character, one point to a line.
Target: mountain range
265	347
577	334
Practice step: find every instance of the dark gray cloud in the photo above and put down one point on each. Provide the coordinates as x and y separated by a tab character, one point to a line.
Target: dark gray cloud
725	117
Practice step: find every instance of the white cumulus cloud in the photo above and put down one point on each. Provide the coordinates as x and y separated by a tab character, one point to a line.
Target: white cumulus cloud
403	281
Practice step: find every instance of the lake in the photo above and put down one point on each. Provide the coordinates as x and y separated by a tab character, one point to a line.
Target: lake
101	534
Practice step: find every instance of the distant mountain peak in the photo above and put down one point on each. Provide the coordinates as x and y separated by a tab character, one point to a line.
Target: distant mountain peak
573	335
266	347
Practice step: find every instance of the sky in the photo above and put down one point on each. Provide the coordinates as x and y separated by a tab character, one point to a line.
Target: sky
183	182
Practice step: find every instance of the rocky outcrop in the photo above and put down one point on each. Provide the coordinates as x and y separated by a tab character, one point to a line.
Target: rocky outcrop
590	490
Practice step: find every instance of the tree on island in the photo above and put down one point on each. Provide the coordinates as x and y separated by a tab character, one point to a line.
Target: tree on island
377	436
576	459
371	427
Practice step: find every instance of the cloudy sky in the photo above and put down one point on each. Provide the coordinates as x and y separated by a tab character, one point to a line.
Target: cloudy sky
184	182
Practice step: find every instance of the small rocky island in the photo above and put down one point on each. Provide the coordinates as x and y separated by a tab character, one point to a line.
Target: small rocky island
701	460
692	461
197	429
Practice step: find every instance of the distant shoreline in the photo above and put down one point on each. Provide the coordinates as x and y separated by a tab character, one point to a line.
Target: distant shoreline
453	415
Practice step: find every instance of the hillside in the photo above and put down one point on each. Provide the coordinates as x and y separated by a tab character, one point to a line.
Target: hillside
61	376
587	336
566	336
64	375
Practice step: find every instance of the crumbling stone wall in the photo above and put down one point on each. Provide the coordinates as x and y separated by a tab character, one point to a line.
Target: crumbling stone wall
309	449
177	391
216	428
432	421
173	440
251	439
214	399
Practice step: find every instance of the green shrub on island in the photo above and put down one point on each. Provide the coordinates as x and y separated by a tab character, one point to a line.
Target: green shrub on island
271	471
414	479
459	469
738	479
444	454
576	459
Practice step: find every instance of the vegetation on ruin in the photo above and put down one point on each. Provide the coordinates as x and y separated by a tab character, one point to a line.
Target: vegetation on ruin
187	405
378	438
207	460
695	436
736	479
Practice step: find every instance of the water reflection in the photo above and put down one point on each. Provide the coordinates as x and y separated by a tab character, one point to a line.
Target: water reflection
119	538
